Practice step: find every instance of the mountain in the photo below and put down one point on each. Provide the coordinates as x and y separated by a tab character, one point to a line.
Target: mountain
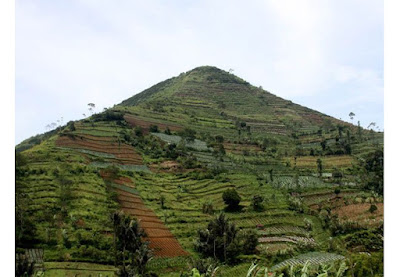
166	155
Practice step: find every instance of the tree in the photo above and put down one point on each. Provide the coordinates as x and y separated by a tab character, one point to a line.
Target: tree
248	240
218	240
337	175
219	138
153	129
352	115
257	202
188	134
91	108
372	171
319	167
162	201
323	144
129	245
232	199
167	131
271	174
372	208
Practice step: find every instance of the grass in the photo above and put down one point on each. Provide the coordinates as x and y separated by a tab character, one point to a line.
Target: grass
69	269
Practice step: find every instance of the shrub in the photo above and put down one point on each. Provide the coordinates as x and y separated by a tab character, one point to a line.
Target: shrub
208	208
373	208
162	201
231	198
167	131
248	241
296	204
257	203
153	128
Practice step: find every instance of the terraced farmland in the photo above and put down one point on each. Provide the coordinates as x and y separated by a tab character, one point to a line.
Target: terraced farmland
244	138
315	258
161	240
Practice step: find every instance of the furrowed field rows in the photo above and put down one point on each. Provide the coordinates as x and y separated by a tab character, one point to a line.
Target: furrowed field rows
283	230
145	123
161	239
124	152
289	239
267	221
315	258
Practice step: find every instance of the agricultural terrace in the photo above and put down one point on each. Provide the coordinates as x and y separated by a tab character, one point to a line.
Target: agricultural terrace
69	204
161	239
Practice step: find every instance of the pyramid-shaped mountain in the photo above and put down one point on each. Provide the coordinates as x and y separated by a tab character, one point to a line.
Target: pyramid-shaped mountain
172	157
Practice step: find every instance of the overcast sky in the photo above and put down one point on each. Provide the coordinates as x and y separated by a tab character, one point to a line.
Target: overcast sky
323	54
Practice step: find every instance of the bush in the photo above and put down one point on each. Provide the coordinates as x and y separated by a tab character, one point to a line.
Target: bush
373	208
153	129
208	208
257	203
248	241
231	198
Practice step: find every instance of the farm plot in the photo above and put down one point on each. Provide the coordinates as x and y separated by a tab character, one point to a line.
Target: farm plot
283	230
360	213
196	144
315	198
162	241
109	150
72	269
315	258
329	162
303	182
145	123
291	239
239	148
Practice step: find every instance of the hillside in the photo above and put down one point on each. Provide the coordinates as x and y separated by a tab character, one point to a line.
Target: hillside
166	155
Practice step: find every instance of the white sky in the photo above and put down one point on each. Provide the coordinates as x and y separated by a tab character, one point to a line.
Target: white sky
324	54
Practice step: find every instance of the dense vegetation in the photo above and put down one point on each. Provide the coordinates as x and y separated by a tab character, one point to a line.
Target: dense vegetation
210	173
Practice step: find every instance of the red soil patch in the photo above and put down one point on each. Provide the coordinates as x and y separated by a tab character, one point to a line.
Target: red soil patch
167	247
124	153
162	241
145	124
168	167
239	148
360	213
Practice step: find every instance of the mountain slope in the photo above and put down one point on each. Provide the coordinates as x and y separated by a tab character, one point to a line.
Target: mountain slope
166	155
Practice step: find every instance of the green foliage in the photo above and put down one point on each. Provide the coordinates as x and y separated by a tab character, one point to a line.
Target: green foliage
257	203
202	268
108	115
23	268
248	241
188	134
366	240
153	129
218	240
319	167
366	264
296	204
162	201
129	245
231	198
208	208
372	208
372	171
